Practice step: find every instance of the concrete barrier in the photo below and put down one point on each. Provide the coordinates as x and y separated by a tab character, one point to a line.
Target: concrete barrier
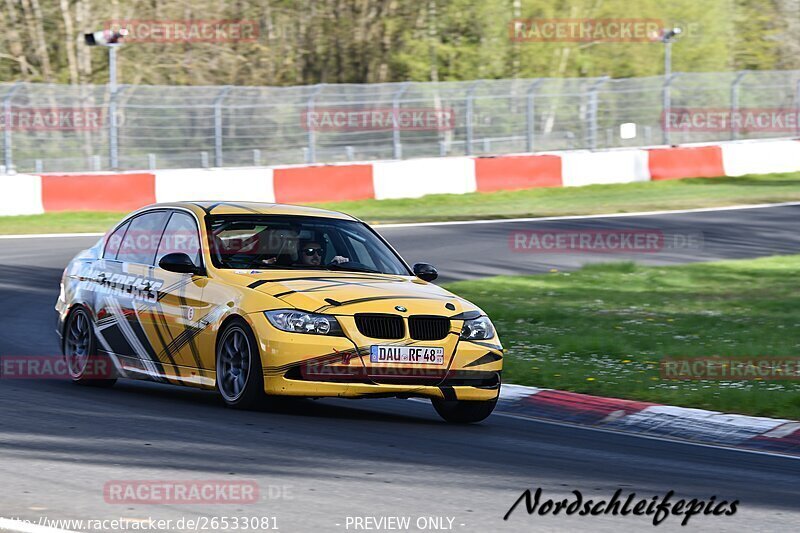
323	183
412	178
224	184
22	195
678	163
614	166
98	192
764	157
512	172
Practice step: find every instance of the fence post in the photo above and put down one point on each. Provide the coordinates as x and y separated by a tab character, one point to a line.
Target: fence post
113	148
797	106
530	122
735	102
470	112
218	162
113	126
592	112
7	140
397	149
311	152
666	106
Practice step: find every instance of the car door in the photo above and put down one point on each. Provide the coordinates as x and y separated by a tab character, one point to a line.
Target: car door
100	293
180	315
133	292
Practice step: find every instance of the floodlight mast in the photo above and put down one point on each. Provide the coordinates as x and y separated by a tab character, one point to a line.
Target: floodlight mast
668	35
111	39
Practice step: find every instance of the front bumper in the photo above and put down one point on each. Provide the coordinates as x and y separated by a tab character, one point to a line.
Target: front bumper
323	366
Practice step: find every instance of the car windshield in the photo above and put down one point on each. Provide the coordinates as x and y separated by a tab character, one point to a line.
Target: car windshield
299	242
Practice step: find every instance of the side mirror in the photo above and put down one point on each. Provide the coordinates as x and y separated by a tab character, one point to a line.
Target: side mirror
181	263
425	271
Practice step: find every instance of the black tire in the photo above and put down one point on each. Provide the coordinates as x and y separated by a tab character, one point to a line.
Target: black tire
464	411
84	364
240	381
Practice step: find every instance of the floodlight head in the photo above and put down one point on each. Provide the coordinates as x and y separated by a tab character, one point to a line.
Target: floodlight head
105	37
671	33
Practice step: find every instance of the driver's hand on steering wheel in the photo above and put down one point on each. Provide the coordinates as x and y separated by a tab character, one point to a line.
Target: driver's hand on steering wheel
270	260
338	260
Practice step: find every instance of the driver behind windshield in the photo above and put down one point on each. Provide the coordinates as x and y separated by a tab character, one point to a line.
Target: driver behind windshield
311	253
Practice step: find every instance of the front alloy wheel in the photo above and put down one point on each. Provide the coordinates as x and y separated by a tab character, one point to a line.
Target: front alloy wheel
239	378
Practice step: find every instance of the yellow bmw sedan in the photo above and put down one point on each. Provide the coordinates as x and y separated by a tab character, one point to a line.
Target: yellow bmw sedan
259	300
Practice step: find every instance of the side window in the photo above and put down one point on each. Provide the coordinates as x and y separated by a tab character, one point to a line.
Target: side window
141	240
114	241
181	235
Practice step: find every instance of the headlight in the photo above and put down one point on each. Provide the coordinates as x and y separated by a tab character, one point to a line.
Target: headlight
480	328
302	322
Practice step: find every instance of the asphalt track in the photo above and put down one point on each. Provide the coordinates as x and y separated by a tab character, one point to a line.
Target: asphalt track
319	462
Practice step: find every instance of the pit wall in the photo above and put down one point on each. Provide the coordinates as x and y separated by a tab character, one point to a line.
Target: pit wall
412	178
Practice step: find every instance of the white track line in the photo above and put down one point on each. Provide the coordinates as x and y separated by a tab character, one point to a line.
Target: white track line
485	221
20	526
581	217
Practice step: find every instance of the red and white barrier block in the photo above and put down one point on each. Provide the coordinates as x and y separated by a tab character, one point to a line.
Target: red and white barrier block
381	180
22	195
649	419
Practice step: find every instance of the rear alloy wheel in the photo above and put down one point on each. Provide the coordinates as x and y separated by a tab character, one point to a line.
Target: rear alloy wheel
463	411
85	366
240	381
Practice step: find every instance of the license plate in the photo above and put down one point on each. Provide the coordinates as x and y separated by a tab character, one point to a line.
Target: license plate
419	355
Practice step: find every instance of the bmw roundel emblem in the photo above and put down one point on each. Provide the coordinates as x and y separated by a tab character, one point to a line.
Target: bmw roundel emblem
400	308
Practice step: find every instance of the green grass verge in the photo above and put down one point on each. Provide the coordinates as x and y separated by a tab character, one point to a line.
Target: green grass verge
593	199
77	222
603	329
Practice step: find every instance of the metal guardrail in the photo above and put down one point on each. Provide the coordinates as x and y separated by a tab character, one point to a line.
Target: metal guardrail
145	127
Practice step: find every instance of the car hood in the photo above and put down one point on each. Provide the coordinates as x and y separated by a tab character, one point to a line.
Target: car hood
347	293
